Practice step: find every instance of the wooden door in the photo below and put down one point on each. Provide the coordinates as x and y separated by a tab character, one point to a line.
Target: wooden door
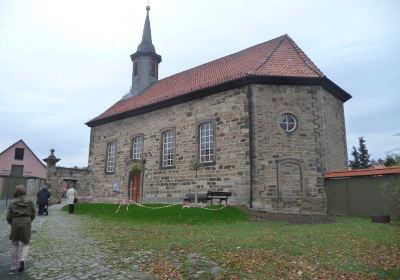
135	188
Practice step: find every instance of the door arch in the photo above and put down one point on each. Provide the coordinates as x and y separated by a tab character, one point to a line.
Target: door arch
290	188
135	170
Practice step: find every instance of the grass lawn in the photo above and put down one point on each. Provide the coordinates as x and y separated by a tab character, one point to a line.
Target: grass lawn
347	248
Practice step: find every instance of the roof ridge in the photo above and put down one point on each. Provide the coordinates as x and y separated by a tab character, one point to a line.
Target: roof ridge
21	140
9	147
217	59
269	55
302	55
278	58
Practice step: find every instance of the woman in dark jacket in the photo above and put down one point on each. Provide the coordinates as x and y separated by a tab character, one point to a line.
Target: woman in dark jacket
20	214
43	201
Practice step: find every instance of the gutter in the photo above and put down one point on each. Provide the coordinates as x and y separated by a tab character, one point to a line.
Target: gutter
324	82
249	96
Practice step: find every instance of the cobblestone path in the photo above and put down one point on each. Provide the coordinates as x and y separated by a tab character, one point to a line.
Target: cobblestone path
67	246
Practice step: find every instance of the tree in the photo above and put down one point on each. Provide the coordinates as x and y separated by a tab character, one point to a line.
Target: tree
392	160
194	165
363	152
355	163
360	156
378	161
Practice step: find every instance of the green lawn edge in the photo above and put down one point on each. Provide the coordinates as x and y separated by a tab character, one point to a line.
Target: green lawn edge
161	213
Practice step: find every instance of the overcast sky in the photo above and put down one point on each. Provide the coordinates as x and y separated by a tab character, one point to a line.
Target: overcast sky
63	62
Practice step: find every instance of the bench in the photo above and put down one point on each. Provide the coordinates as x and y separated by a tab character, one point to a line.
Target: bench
190	197
209	196
222	196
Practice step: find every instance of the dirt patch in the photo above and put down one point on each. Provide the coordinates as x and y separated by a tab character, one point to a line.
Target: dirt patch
256	215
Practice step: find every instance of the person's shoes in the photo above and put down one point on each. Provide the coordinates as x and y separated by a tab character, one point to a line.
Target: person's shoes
21	266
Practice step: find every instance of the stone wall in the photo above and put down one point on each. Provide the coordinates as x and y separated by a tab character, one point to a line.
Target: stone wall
31	184
78	177
289	167
334	132
229	173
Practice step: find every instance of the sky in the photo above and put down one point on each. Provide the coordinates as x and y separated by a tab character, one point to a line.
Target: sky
63	62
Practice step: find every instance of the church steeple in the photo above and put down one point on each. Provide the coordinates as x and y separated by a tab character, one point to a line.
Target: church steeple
145	62
146	45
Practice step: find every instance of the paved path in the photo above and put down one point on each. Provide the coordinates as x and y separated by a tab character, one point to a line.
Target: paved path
67	246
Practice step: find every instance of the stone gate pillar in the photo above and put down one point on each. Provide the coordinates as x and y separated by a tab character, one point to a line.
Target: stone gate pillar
52	183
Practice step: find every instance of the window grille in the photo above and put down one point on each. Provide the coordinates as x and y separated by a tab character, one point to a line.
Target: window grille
168	148
137	147
111	151
288	122
19	153
206	143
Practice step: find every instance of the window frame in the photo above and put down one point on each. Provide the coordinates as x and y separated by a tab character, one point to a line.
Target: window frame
210	147
287	123
141	136
18	155
135	68
15	168
173	142
107	161
153	69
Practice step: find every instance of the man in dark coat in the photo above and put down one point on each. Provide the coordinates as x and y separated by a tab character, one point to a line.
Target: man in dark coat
20	214
43	201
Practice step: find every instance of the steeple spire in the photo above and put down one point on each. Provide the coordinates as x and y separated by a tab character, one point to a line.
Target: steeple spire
146	45
145	62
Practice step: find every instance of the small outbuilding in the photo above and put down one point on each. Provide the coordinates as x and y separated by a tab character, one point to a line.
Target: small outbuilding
363	192
20	166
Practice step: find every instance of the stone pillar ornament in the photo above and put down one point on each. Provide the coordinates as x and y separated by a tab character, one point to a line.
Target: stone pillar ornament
52	183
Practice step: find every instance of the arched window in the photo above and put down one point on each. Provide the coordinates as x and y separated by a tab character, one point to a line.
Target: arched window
153	69
206	142
288	122
135	68
137	147
168	148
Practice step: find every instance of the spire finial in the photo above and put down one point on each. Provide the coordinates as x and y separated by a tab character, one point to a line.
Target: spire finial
148	6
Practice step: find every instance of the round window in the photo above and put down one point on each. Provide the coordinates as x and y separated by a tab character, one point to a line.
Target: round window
288	122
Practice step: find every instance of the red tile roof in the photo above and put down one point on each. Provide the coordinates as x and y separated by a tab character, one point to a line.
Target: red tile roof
363	172
279	57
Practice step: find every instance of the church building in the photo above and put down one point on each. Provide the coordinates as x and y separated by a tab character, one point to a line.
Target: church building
263	123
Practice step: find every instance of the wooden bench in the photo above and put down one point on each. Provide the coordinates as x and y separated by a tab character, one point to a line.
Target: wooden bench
222	196
209	196
190	197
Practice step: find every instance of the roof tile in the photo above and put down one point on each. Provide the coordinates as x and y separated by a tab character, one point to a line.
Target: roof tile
279	57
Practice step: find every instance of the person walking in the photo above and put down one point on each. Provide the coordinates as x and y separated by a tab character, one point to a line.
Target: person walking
71	198
43	201
20	215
